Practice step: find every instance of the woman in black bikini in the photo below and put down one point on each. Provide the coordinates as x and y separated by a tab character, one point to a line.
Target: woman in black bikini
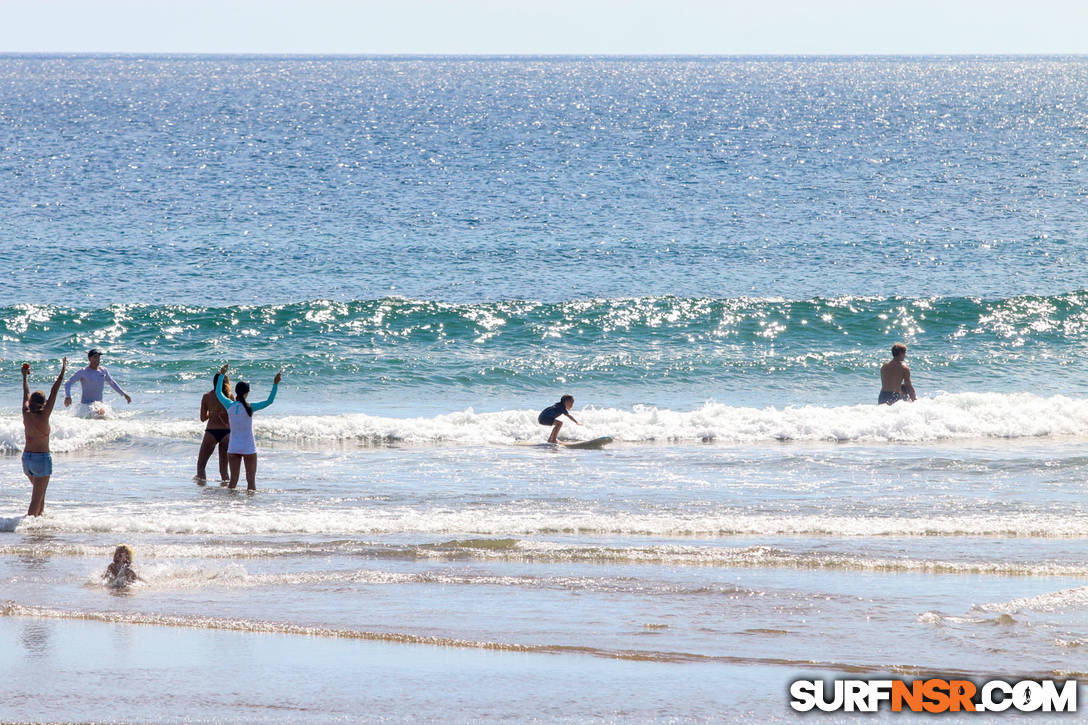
218	431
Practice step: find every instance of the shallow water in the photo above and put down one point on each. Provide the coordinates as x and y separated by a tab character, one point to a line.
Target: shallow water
793	557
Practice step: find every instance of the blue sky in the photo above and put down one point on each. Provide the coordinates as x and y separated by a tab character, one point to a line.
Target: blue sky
552	27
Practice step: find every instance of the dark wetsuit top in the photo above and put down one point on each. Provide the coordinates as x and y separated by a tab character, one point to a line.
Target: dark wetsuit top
549	414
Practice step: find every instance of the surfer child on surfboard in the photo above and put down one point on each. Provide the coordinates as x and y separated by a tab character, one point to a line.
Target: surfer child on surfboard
550	416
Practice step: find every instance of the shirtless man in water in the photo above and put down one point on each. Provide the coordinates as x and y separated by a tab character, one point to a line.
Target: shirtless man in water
37	462
895	378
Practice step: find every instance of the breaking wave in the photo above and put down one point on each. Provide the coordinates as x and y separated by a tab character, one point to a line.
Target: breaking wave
959	416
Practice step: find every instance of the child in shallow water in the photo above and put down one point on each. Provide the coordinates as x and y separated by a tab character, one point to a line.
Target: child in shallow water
120	569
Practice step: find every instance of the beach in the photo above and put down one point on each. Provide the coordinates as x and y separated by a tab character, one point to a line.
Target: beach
712	255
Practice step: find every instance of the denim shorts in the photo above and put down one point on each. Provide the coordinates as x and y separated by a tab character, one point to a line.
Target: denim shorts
37	464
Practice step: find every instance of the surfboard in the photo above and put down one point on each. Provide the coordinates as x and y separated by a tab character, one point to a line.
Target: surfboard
592	445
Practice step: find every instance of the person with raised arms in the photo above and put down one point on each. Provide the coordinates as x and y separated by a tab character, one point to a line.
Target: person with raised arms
91	380
242	446
37	460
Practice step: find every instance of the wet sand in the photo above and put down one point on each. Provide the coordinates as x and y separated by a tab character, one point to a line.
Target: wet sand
58	670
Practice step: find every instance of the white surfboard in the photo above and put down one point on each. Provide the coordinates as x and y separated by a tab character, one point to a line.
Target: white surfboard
593	445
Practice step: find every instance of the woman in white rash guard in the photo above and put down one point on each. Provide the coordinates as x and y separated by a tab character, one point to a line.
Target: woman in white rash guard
240	411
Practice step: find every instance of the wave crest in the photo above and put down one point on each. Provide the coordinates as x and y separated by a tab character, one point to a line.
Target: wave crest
960	416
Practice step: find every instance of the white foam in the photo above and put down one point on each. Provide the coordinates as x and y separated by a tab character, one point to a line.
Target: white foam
165	564
72	433
1065	600
941	620
94	411
956	416
11	609
168	575
944	417
514	521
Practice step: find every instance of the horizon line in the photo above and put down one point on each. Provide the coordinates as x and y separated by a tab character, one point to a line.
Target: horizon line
528	56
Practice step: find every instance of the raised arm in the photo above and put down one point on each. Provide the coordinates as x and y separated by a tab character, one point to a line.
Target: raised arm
56	387
26	388
227	402
272	395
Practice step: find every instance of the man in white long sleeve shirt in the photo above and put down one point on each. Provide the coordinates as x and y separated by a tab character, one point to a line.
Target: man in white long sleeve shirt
92	379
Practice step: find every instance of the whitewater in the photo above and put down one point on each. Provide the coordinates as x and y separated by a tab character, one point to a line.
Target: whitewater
942	417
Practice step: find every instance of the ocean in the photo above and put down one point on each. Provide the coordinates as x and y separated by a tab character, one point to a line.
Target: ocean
713	255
